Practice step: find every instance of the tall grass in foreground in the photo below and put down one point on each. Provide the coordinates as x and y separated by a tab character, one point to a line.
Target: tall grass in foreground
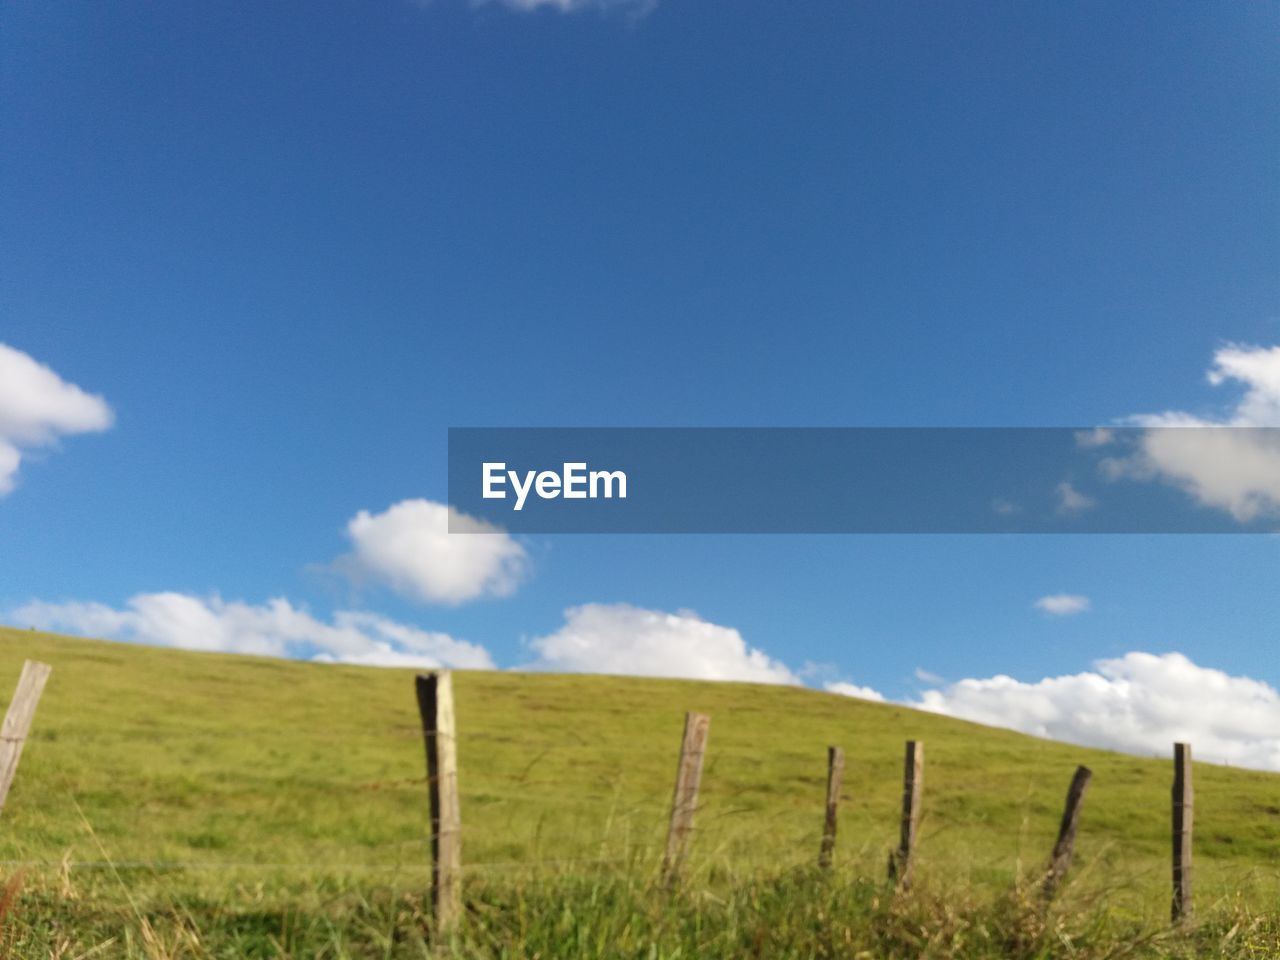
618	914
210	806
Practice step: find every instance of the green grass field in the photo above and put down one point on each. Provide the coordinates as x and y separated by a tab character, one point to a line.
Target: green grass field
178	804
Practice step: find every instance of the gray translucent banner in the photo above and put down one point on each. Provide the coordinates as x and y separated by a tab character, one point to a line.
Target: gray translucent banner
865	480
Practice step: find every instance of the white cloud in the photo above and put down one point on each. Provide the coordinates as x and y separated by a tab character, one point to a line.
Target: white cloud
1062	604
1097	437
638	7
928	676
10	460
385	655
1236	470
410	549
853	690
275	628
1071	500
1139	703
37	407
622	639
1258	368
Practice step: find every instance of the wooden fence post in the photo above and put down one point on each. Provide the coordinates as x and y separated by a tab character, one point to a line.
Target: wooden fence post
1064	849
1183	810
835	776
900	865
684	800
435	703
17	721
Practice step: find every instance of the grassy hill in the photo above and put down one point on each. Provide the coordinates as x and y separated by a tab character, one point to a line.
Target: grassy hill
159	783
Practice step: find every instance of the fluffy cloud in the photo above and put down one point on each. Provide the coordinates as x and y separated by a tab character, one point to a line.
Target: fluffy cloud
409	548
1137	703
37	407
853	690
1062	604
276	628
1234	470
622	639
1258	368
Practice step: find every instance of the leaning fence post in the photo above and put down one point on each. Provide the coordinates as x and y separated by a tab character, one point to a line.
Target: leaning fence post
1064	849
435	703
17	721
835	775
1183	810
684	800
900	865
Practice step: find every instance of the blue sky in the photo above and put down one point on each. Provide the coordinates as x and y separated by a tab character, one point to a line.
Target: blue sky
290	244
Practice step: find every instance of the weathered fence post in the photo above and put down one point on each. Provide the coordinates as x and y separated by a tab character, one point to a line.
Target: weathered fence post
900	865
835	775
435	703
1064	849
684	800
1183	810
17	721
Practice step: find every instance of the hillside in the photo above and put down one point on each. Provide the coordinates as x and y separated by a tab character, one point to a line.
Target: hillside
199	774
